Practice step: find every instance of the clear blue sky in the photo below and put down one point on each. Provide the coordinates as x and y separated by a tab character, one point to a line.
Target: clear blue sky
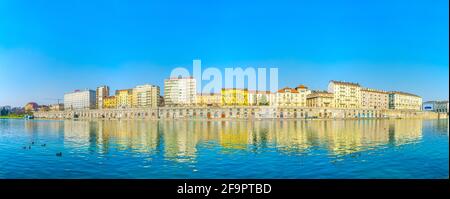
48	48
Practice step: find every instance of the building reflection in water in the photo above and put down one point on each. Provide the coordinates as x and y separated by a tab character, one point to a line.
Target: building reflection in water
180	140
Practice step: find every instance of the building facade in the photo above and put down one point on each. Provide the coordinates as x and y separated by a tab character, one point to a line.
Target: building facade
303	92
374	99
320	99
124	98
146	96
57	107
436	106
234	97
260	98
101	93
180	91
287	97
404	101
345	94
79	100
110	102
209	99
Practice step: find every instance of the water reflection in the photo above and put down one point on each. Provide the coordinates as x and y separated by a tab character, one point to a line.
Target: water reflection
180	140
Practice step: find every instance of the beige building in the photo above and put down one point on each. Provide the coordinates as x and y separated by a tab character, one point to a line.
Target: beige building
101	93
124	98
320	99
209	99
146	96
404	101
303	92
345	94
260	98
180	91
287	97
374	99
57	107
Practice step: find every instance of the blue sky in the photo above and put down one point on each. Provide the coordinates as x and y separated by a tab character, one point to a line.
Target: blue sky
48	48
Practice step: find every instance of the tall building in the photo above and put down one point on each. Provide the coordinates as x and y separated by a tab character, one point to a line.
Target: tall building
345	94
79	100
404	101
320	99
124	98
180	91
234	97
287	97
146	96
303	92
101	93
374	99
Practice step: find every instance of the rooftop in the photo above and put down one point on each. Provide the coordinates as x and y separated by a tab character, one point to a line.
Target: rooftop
302	86
344	83
403	93
287	89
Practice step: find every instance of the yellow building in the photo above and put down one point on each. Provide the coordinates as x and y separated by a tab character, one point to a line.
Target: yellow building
345	94
110	102
209	99
404	101
320	99
374	99
235	97
124	98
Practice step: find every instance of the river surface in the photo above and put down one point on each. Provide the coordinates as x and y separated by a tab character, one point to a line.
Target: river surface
299	149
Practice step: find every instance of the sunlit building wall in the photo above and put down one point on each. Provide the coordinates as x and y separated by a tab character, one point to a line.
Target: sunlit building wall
374	99
124	98
110	102
145	96
404	101
320	99
79	100
101	93
345	94
180	91
234	97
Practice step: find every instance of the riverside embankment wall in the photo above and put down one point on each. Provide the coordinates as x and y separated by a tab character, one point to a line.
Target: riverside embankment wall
256	112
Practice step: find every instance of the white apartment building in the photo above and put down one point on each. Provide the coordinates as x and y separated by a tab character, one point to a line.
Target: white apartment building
180	91
404	101
146	96
345	94
79	100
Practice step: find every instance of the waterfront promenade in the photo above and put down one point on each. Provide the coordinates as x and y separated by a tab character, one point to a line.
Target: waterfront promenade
235	112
